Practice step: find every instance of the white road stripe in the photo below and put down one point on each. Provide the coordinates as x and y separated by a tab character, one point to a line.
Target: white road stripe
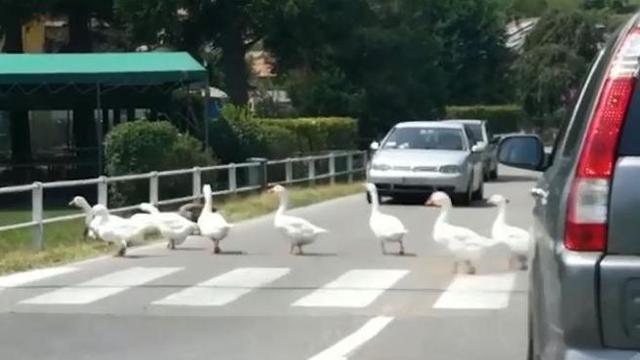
348	345
477	292
225	288
22	278
354	289
101	287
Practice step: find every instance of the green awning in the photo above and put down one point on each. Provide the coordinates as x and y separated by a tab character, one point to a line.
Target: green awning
143	68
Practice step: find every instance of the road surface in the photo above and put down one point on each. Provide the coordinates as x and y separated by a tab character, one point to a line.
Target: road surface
343	300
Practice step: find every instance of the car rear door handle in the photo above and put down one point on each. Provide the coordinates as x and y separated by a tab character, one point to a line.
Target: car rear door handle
540	194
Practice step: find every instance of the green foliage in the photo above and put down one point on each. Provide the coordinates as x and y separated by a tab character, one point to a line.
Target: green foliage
554	62
238	135
501	118
143	146
392	61
318	134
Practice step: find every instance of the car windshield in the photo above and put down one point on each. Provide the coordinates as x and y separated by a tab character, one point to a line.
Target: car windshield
424	138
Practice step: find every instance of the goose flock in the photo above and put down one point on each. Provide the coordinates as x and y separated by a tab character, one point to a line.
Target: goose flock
197	219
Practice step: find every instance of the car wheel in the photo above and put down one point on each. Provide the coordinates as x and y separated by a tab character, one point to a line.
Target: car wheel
464	199
494	174
479	194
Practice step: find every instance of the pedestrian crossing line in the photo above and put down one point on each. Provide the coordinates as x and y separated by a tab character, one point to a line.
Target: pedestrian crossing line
22	278
101	287
354	289
474	292
225	288
348	345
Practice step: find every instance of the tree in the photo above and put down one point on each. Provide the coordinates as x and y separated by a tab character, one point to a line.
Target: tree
555	59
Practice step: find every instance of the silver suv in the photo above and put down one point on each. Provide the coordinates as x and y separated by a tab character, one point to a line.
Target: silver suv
585	272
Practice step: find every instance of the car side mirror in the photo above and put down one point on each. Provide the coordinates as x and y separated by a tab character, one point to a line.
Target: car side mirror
374	146
522	151
479	147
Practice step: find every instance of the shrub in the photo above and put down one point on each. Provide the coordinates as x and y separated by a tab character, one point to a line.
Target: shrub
238	135
320	134
143	146
501	118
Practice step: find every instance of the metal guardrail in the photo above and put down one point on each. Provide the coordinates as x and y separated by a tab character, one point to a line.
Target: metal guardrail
258	170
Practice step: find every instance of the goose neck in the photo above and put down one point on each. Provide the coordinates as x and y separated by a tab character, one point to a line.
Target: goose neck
208	202
501	218
284	202
444	215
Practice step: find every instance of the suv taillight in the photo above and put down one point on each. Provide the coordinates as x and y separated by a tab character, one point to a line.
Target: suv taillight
586	227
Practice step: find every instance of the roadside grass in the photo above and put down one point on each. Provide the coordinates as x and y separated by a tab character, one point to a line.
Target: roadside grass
63	242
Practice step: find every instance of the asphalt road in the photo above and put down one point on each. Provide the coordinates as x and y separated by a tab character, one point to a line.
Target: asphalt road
344	299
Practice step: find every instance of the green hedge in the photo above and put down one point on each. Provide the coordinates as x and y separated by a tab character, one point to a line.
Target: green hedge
501	118
238	135
142	146
319	134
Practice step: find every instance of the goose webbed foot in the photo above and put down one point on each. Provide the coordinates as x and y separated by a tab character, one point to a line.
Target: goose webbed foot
471	270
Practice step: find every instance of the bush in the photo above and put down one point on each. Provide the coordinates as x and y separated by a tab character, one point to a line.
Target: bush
501	118
238	135
143	146
320	134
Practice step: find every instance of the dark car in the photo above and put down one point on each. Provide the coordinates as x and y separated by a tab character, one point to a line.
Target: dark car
585	269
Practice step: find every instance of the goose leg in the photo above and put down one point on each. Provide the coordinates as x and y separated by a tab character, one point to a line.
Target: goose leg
172	244
291	249
384	249
300	250
471	270
122	251
523	262
85	234
401	248
216	246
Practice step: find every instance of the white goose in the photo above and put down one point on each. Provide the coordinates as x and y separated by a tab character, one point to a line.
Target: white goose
212	225
515	238
299	231
466	245
116	230
172	226
386	228
82	203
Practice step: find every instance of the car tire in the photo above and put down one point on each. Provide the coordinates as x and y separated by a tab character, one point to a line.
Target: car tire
494	174
479	194
464	199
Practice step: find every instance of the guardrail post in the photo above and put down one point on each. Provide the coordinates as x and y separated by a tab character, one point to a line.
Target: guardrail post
36	215
332	168
153	188
233	182
350	166
261	172
196	187
311	168
288	171
103	191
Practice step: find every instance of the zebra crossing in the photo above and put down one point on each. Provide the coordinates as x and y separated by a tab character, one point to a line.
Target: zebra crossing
351	289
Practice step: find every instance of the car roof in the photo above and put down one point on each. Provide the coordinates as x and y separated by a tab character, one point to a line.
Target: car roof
466	121
430	124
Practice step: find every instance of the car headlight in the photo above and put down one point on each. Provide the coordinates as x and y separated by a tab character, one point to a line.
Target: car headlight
380	167
450	169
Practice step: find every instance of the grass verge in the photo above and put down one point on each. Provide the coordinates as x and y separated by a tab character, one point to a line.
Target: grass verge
64	243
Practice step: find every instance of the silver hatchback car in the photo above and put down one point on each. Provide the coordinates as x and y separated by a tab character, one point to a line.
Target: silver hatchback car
417	158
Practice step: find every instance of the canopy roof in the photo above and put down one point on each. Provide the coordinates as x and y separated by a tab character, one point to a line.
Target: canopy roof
140	68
